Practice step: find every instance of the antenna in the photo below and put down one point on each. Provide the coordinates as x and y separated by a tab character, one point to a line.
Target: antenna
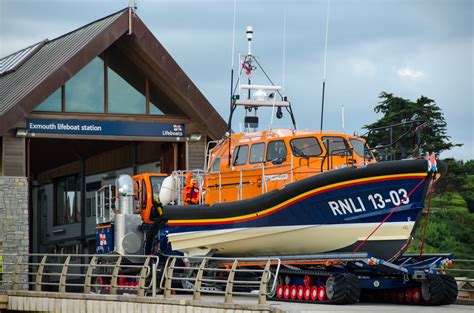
342	113
249	39
324	69
232	56
249	54
284	49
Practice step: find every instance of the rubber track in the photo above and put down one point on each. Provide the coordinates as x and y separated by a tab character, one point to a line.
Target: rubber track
348	294
346	289
450	290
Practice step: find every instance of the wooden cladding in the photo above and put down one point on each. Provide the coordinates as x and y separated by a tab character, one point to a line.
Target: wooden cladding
113	159
196	154
110	160
13	155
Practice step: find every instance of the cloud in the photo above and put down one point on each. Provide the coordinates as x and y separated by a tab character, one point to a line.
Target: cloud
407	72
363	67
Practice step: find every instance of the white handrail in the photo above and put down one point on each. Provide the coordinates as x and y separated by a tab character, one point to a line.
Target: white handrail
260	87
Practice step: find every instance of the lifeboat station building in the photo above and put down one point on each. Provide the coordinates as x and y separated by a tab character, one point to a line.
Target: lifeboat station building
76	112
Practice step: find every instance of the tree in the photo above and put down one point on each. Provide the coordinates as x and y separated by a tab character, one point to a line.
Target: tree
459	178
398	110
455	178
469	166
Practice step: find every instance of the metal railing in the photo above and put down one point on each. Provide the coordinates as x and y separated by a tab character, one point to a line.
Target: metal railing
139	275
221	276
81	273
105	204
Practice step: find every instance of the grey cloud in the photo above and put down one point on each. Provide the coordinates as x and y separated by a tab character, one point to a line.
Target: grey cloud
369	42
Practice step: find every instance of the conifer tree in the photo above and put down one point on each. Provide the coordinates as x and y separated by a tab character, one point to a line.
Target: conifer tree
433	136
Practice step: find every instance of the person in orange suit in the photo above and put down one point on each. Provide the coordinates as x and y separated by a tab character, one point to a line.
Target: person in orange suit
191	193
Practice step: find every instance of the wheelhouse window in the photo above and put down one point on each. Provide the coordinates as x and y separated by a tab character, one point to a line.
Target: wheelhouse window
336	145
84	92
67	206
305	147
216	165
358	146
257	152
143	195
241	155
276	150
156	182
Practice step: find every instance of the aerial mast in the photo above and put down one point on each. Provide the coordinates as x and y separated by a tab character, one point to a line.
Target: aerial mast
249	53
324	70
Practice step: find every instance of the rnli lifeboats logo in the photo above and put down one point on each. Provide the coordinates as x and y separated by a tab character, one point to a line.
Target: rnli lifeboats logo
102	240
177	131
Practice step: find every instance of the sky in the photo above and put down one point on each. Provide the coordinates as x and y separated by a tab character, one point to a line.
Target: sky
405	47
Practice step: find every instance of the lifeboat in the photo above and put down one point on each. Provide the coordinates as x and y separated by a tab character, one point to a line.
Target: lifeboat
294	192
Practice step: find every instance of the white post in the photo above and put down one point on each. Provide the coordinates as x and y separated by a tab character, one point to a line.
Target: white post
220	187
240	186
342	112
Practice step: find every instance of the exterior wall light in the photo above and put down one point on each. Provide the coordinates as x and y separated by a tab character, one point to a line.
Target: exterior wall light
21	132
195	137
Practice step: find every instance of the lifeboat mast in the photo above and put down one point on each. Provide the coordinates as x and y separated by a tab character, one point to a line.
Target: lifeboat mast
263	95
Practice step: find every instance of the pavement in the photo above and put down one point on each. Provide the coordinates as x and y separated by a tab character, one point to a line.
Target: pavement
292	307
368	307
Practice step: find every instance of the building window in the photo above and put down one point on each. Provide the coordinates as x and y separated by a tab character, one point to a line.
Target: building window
52	103
123	97
67	207
85	91
256	153
154	109
126	85
155	98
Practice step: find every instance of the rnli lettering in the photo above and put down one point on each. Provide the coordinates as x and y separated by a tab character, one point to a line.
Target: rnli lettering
378	201
346	206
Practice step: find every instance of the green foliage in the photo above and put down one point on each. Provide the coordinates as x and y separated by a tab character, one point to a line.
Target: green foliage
459	178
397	110
454	178
450	230
469	167
468	189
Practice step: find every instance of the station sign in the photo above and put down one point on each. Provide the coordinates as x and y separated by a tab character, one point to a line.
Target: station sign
104	128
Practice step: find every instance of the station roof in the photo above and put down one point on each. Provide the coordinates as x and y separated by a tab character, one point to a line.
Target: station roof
29	76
